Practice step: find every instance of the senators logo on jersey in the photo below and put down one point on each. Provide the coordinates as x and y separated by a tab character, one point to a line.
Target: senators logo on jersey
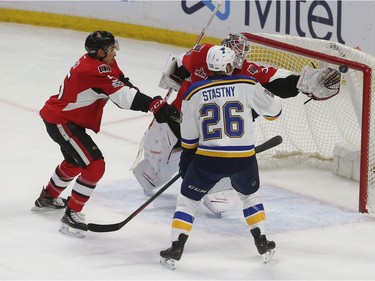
104	68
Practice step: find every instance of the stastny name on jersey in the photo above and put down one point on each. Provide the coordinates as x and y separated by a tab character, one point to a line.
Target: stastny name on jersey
218	92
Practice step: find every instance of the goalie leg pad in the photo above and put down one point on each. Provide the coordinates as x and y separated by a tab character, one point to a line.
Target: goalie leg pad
159	141
222	201
223	184
222	198
158	164
147	177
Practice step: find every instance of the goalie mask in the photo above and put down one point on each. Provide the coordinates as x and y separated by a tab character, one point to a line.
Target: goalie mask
240	45
100	40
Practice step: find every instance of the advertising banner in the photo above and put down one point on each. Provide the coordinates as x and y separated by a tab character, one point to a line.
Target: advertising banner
347	22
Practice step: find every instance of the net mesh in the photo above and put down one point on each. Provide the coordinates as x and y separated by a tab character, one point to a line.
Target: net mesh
311	130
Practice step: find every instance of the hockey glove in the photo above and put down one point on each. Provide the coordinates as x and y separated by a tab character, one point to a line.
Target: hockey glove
163	112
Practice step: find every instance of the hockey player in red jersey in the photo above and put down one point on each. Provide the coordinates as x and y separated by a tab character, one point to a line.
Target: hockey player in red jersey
91	82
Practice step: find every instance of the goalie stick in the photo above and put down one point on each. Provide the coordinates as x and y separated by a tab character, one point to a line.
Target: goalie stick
219	3
272	142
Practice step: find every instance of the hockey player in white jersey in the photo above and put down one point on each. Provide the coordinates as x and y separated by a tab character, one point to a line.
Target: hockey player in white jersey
160	143
217	139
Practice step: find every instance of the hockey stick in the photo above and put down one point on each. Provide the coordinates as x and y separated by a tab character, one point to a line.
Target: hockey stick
140	147
116	226
271	143
219	3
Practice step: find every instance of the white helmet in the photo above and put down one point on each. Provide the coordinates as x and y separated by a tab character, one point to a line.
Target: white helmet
218	57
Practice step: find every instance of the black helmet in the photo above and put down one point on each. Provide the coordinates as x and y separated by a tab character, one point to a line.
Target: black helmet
99	40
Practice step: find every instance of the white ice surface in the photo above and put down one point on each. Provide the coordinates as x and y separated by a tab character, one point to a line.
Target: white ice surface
311	214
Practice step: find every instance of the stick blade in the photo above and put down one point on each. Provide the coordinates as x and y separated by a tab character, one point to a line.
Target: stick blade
103	227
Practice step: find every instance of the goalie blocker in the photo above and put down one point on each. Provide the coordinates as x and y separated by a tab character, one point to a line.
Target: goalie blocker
173	74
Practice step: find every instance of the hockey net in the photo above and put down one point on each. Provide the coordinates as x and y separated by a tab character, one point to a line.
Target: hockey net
323	132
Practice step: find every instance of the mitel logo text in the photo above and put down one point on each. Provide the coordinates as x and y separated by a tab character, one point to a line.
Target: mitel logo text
316	19
320	19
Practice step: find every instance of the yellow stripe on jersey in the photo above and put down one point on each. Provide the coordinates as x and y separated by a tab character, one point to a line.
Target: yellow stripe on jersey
225	82
189	146
225	154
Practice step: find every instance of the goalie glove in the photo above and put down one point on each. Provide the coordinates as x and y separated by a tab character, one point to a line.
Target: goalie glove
319	84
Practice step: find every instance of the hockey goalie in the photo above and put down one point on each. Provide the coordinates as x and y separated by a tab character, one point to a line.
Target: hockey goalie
160	144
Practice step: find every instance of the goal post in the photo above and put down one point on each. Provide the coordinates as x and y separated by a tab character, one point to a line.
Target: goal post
338	132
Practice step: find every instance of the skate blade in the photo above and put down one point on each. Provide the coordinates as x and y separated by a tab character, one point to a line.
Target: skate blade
73	232
268	255
169	263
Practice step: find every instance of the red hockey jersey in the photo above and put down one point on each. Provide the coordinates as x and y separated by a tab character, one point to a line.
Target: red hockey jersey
84	93
195	62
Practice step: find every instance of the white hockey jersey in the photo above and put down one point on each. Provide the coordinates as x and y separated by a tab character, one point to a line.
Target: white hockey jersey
217	119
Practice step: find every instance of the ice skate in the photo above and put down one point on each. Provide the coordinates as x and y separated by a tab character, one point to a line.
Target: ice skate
172	255
265	248
48	203
73	224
